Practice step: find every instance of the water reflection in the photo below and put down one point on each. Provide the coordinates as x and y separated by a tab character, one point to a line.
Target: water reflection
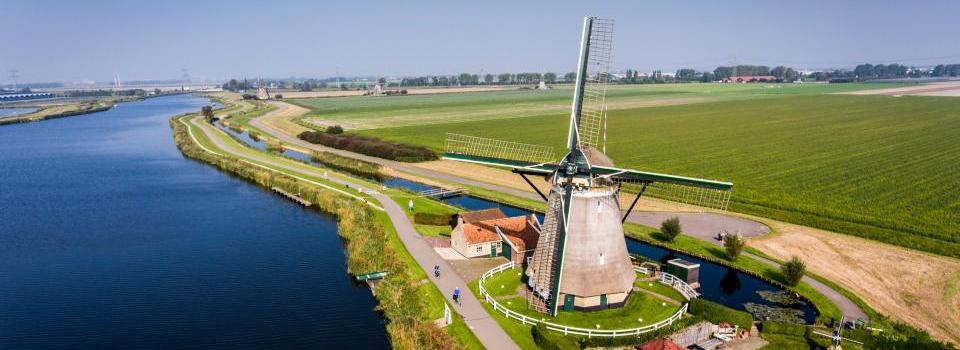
730	283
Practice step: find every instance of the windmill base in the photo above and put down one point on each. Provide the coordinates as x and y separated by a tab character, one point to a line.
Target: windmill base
593	303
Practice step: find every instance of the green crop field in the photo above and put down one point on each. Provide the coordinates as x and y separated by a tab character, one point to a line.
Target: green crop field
393	111
879	167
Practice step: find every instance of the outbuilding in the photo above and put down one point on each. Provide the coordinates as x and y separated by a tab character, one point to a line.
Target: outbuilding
489	233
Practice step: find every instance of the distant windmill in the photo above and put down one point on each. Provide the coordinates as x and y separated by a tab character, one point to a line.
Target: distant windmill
836	337
581	258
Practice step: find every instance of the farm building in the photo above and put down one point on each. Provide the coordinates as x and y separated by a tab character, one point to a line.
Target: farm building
684	270
24	96
489	233
748	79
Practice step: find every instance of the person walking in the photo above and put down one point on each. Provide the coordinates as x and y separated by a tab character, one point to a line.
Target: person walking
410	205
436	271
456	295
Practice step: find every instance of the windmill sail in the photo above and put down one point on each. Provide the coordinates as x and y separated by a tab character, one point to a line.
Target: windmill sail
593	109
496	152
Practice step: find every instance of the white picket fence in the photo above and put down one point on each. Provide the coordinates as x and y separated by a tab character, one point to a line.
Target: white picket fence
674	282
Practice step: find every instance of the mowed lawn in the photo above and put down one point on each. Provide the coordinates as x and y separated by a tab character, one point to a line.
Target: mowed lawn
880	167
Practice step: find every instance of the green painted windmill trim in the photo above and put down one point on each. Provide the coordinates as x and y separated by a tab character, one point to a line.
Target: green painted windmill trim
639	176
555	291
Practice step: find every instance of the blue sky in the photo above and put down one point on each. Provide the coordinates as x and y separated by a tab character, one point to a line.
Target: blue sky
92	40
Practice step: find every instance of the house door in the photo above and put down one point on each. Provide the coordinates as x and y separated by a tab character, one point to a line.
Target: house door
568	302
507	252
493	249
603	300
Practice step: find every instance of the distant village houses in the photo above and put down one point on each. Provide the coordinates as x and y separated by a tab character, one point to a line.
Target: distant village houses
749	79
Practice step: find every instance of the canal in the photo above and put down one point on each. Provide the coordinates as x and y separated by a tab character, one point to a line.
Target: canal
110	238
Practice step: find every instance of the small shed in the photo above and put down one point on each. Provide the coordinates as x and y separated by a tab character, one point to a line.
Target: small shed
687	271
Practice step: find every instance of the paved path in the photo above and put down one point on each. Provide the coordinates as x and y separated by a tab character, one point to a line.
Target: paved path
701	228
475	316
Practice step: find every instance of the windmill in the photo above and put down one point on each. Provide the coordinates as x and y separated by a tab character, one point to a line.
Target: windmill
836	337
581	259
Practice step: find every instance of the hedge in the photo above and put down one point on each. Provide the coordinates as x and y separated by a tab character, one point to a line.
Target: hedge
783	328
349	165
432	219
370	146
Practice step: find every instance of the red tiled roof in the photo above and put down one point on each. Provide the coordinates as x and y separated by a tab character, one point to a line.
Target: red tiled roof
482	215
660	344
520	230
479	234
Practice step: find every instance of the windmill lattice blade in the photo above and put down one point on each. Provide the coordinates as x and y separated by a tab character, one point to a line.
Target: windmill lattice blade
696	197
594	107
497	149
853	341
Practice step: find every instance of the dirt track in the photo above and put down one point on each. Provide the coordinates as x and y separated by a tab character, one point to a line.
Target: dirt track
914	287
949	88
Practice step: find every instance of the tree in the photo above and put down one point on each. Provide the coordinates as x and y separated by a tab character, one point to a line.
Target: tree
504	78
336	129
793	270
723	72
465	79
686	74
733	243
488	79
708	77
157	91
207	112
570	76
278	97
550	77
780	72
670	229
790	75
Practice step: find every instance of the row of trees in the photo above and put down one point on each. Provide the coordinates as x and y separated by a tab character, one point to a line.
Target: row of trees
780	73
487	79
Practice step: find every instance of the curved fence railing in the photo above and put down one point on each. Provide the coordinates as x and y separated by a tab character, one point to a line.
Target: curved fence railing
673	281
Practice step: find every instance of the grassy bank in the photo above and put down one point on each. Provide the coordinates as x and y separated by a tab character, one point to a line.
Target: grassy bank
62	111
371	246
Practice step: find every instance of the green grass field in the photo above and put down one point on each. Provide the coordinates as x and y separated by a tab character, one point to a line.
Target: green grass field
879	167
394	111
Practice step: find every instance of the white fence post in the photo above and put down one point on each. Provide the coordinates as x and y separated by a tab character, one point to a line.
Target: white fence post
447	317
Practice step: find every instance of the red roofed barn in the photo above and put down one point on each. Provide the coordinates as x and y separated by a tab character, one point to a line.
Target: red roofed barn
489	233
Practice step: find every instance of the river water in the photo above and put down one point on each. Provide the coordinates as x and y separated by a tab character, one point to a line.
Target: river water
110	238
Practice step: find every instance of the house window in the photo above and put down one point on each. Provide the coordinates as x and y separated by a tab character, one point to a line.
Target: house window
479	248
